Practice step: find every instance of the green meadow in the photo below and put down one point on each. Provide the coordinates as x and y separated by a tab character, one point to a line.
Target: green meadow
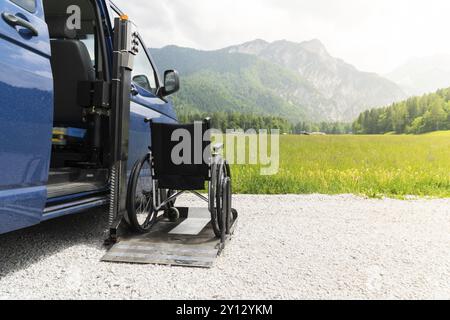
375	166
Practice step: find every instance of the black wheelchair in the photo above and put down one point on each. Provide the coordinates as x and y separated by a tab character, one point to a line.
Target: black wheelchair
157	180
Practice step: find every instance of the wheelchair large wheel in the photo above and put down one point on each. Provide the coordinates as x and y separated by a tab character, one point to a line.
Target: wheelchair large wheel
220	198
141	213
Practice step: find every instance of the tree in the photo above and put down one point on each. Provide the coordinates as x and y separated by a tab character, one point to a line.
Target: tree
430	112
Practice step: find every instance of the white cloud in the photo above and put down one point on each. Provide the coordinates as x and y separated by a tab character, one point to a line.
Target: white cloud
373	35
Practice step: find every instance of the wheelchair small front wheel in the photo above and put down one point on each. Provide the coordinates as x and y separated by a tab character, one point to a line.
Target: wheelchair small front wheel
172	214
141	213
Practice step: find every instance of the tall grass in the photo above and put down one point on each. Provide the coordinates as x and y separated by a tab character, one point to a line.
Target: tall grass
394	166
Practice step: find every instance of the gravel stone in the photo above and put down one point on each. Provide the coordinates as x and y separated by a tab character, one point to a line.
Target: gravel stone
285	247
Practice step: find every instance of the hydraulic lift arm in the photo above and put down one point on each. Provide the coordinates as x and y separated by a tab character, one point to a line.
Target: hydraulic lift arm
125	48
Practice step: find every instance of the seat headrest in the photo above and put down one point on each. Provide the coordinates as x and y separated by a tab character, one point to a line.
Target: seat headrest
58	29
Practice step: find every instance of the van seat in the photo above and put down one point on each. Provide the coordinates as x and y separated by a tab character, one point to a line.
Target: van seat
71	63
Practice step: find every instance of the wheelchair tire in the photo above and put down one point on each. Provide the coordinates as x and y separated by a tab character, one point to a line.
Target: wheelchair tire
140	210
217	206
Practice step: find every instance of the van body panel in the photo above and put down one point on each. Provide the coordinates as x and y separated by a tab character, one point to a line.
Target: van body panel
26	119
20	36
140	131
157	104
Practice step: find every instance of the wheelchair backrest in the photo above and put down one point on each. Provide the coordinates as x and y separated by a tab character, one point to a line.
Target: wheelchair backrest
181	149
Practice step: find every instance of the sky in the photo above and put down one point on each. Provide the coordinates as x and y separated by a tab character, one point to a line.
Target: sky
376	36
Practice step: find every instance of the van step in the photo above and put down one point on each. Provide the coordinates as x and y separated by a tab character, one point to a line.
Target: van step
65	189
60	210
62	175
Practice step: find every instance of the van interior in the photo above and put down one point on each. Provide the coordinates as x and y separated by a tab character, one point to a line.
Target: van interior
79	161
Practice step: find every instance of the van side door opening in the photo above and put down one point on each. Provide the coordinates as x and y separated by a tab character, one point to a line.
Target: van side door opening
80	143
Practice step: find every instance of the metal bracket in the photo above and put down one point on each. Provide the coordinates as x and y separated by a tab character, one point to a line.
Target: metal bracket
230	235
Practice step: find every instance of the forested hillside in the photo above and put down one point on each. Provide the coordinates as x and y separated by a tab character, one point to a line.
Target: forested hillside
219	81
430	112
235	120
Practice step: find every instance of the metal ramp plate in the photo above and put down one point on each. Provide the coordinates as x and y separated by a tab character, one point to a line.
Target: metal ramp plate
190	242
197	220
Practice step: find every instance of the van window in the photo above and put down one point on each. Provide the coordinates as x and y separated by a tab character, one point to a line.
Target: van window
89	41
143	73
29	5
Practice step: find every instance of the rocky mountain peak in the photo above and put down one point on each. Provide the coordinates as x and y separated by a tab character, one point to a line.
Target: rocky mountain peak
315	46
254	47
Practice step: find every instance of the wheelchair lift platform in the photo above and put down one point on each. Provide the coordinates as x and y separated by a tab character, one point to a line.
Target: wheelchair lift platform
189	242
199	236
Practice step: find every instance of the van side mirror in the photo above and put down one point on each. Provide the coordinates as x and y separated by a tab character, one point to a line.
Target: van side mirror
171	83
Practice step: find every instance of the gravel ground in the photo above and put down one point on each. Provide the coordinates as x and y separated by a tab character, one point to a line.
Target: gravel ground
300	247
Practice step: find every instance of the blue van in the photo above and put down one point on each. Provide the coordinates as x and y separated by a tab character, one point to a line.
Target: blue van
55	139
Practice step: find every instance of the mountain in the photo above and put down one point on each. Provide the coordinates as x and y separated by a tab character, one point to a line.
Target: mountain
351	90
299	81
423	75
221	81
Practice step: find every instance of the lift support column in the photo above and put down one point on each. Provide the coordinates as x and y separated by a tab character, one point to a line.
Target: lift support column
125	48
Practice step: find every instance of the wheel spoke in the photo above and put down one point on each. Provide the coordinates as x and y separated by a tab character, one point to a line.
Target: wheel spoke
149	218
